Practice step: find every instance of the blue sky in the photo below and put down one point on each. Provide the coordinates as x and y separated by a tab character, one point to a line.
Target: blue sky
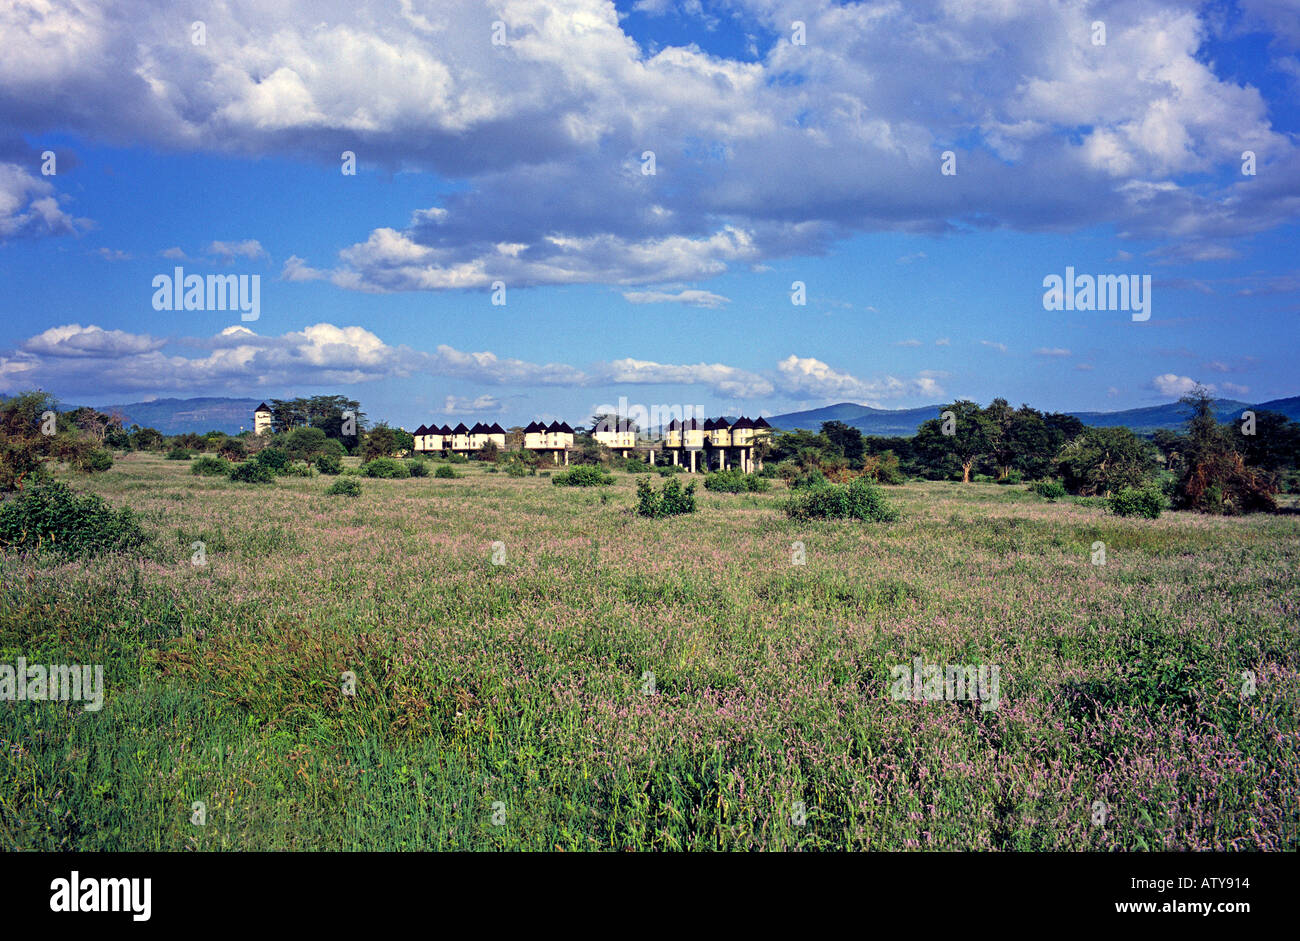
775	163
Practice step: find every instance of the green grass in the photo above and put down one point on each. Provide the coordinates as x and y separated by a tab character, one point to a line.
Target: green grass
525	683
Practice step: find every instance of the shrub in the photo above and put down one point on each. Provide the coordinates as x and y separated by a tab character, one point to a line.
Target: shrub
586	475
1051	490
1131	501
252	472
178	454
493	469
345	487
1013	477
861	500
634	465
735	481
208	466
668	470
303	444
417	468
1223	483
232	449
273	458
328	463
446	472
95	461
672	501
883	468
810	479
544	474
52	517
296	469
516	469
385	467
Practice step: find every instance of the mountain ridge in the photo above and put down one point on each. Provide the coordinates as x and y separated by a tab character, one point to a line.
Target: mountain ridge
214	413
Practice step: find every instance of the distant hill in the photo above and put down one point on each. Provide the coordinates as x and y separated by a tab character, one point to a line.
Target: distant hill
176	416
870	421
889	422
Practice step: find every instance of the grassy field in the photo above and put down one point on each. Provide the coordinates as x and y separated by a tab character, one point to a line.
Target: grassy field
508	706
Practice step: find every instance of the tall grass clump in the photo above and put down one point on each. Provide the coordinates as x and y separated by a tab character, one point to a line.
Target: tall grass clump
859	500
52	517
585	475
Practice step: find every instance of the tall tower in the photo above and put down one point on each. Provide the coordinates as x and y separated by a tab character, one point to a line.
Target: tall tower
262	419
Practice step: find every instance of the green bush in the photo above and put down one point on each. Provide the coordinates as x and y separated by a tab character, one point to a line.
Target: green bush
735	481
634	465
671	501
52	517
232	449
274	458
385	467
178	454
346	487
446	472
1146	502
586	475
252	472
516	469
208	466
668	470
860	500
1051	490
982	479
329	463
809	480
417	468
96	461
296	469
1013	477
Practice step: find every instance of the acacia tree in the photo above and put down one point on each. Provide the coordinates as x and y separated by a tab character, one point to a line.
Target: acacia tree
1101	461
380	442
1216	477
957	441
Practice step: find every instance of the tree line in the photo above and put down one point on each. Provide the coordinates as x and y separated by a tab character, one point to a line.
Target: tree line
1234	467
